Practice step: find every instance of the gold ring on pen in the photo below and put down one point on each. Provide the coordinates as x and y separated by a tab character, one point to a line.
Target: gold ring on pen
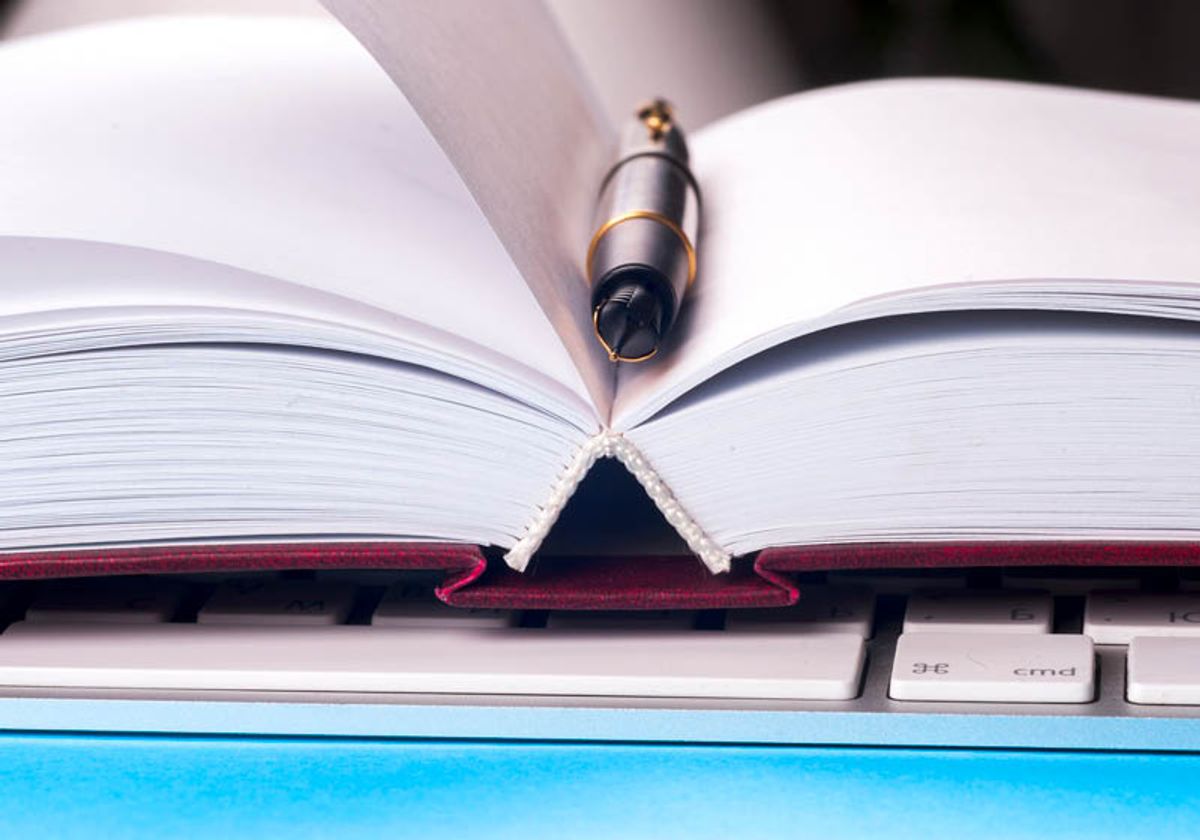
654	217
613	355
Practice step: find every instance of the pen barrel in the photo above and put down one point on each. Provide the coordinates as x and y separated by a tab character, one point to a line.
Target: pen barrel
647	220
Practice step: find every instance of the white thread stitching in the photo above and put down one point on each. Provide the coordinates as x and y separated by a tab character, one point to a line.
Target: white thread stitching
614	445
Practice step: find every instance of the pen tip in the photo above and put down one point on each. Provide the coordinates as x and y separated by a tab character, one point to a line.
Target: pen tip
629	322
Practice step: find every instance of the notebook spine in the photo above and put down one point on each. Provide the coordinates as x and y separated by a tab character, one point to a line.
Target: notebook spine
609	444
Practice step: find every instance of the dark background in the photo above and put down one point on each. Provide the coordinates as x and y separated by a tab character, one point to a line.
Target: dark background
1152	46
1147	46
1140	46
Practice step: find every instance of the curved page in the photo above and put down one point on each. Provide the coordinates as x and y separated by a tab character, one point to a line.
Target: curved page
111	296
500	88
277	147
910	196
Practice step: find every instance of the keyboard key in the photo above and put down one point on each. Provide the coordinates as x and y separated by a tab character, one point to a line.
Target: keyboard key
1115	618
899	581
353	658
993	668
821	609
1163	671
979	612
114	600
270	602
409	605
638	620
1075	582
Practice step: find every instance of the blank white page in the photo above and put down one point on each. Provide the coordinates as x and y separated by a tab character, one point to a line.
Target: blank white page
271	145
834	205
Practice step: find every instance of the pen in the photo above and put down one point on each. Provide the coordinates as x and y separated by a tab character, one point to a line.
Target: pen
642	257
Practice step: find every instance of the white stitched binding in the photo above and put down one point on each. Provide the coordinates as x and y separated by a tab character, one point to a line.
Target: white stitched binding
613	445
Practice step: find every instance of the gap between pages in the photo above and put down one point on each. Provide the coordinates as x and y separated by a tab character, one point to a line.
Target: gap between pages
609	444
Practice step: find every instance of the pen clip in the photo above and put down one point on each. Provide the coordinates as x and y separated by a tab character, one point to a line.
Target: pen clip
657	116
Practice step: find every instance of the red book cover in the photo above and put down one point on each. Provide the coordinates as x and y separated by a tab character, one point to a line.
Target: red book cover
473	579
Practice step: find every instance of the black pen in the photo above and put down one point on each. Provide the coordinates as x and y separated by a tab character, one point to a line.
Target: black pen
642	257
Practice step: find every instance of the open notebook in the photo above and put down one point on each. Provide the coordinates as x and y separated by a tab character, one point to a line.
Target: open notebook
271	298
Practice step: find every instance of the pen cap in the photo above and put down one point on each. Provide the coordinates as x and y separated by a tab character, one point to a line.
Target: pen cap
647	219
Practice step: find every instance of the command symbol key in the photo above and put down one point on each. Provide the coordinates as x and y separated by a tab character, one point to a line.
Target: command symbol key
993	668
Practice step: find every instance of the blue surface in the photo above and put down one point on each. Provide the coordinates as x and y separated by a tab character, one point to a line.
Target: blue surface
139	786
1067	732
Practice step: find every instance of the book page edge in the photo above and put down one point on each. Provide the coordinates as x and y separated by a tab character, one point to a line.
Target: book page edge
608	444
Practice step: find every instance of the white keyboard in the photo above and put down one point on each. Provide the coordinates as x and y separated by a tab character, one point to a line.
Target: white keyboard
438	660
856	641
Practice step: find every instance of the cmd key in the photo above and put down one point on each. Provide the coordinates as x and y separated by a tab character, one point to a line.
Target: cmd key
993	668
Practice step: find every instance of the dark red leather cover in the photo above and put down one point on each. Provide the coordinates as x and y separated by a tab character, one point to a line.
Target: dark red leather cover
471	579
961	554
580	583
462	563
629	583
